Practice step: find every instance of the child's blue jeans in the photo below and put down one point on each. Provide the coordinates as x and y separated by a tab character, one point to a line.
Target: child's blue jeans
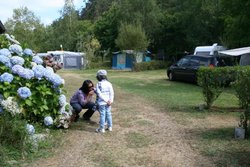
105	115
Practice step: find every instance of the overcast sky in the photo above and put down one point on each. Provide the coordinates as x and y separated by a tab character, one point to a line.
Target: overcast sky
46	10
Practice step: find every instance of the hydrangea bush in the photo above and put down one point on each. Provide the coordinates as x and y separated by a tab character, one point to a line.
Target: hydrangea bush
29	89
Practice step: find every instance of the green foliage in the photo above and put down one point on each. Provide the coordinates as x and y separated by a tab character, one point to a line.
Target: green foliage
13	130
3	43
13	138
145	12
37	106
242	86
44	99
131	37
152	65
96	65
236	22
106	28
212	81
24	25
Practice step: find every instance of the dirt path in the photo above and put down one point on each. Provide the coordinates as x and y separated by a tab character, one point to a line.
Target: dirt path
142	136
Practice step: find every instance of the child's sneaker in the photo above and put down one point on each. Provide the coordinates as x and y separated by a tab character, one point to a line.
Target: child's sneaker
109	129
98	130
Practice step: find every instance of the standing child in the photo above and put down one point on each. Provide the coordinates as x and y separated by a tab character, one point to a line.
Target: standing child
105	97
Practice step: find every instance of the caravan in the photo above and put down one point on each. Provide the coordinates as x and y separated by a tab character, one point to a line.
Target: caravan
208	50
69	60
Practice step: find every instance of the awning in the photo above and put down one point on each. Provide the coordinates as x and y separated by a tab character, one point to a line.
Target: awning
235	52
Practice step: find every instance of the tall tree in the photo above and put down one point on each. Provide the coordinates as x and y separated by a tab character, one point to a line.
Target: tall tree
132	37
236	15
106	28
95	8
24	25
64	30
146	12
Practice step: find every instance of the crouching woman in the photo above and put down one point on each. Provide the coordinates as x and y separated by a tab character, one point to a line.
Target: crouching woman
83	99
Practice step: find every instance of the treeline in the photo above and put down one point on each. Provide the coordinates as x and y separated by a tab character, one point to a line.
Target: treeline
170	26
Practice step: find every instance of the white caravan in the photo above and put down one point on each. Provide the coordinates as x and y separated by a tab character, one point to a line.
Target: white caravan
209	50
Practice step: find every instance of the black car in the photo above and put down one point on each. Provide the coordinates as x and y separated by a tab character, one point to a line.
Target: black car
186	68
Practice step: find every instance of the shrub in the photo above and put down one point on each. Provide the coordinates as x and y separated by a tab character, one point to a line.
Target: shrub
242	86
152	65
36	90
213	80
242	89
95	65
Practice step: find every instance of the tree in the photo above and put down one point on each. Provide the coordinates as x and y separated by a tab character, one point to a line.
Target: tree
132	37
237	25
95	8
24	25
106	28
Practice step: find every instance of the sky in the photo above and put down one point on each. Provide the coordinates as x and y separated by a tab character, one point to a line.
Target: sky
46	10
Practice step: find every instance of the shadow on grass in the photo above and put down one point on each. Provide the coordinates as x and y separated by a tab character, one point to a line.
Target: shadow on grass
83	126
225	109
221	146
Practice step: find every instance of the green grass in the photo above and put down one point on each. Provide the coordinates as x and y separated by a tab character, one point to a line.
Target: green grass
180	100
137	140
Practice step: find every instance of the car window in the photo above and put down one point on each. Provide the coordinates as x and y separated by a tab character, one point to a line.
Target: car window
200	61
194	62
204	61
183	62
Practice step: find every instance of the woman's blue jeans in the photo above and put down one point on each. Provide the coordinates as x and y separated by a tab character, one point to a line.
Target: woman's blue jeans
105	115
78	108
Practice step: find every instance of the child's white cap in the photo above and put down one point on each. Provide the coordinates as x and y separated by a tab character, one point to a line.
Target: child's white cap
101	72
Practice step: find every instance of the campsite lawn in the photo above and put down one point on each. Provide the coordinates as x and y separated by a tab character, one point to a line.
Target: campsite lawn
211	131
156	123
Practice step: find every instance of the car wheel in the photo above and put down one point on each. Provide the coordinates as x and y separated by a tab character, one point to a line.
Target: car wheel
171	76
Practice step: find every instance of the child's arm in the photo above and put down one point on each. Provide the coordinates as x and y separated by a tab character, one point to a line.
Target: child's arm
111	91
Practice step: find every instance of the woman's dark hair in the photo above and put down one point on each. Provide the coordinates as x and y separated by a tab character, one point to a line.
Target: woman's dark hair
85	86
101	77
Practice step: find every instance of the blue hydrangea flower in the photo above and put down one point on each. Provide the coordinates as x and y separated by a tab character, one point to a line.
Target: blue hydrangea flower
17	60
37	60
30	129
48	121
16	49
56	80
48	72
5	60
24	92
28	52
26	73
38	71
17	69
62	100
5	52
6	77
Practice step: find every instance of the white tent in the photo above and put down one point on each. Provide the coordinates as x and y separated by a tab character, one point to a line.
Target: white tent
67	58
244	54
236	52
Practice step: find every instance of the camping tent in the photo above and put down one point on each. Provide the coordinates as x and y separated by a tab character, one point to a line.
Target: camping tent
69	59
244	54
124	60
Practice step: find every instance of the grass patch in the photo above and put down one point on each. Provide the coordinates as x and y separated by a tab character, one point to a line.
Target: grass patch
179	100
137	140
144	123
220	144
